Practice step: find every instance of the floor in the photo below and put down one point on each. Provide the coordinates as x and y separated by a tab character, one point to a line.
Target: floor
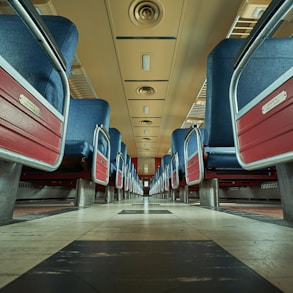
147	245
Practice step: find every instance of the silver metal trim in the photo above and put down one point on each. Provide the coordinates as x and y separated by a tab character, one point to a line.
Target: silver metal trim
265	33
119	158
193	130
176	159
100	130
15	157
284	77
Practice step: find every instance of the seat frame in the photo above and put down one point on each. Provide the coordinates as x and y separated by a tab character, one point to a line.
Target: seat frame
35	24
266	101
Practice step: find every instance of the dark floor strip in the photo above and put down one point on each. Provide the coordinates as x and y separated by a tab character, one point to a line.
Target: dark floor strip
141	266
30	217
147	204
263	218
145	211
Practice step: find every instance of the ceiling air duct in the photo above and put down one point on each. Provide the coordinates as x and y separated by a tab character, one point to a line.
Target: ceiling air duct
145	13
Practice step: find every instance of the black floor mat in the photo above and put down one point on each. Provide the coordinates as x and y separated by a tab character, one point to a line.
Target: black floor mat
145	211
141	266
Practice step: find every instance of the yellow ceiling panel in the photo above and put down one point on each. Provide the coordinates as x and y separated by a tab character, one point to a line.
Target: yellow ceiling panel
148	122
146	108
131	52
146	89
146	140
164	23
146	131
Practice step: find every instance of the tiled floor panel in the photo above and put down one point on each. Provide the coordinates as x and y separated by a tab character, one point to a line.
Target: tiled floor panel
145	211
141	266
156	246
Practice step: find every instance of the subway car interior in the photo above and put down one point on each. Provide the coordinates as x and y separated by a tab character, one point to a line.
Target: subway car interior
146	146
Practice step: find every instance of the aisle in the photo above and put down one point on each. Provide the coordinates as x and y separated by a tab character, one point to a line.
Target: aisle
145	246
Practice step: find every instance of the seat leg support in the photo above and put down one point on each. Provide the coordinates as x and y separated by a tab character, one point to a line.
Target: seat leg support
9	179
173	195
285	179
183	194
110	193
85	193
119	194
209	193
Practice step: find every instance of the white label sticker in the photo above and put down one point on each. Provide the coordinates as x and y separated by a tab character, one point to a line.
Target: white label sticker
274	102
26	102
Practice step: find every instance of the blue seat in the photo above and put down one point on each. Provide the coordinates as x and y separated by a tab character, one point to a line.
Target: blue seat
19	48
87	114
127	172
177	161
193	156
219	158
115	143
123	163
263	118
166	163
34	94
218	134
131	173
83	148
116	158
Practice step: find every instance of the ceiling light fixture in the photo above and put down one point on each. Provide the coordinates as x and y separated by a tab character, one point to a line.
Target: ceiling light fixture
145	90
252	8
146	62
257	12
146	109
146	122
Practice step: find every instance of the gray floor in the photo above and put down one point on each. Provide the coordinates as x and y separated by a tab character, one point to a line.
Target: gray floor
265	248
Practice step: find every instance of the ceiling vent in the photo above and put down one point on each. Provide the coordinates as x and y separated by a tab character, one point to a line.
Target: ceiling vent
146	122
145	91
145	13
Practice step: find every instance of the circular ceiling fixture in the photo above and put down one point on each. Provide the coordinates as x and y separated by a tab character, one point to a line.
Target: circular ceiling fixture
145	13
146	122
145	90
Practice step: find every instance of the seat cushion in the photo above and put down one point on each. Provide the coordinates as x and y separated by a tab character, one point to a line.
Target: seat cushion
82	148
115	147
178	136
22	51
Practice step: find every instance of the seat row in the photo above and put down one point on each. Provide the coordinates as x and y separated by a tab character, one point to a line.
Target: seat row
44	133
248	132
93	151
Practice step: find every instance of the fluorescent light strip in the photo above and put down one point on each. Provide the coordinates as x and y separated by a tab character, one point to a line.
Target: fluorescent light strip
146	109
146	62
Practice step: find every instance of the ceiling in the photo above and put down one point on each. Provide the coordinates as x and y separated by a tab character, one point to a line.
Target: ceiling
172	38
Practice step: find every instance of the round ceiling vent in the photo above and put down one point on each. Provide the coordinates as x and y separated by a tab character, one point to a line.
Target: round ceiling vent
145	91
146	122
145	13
